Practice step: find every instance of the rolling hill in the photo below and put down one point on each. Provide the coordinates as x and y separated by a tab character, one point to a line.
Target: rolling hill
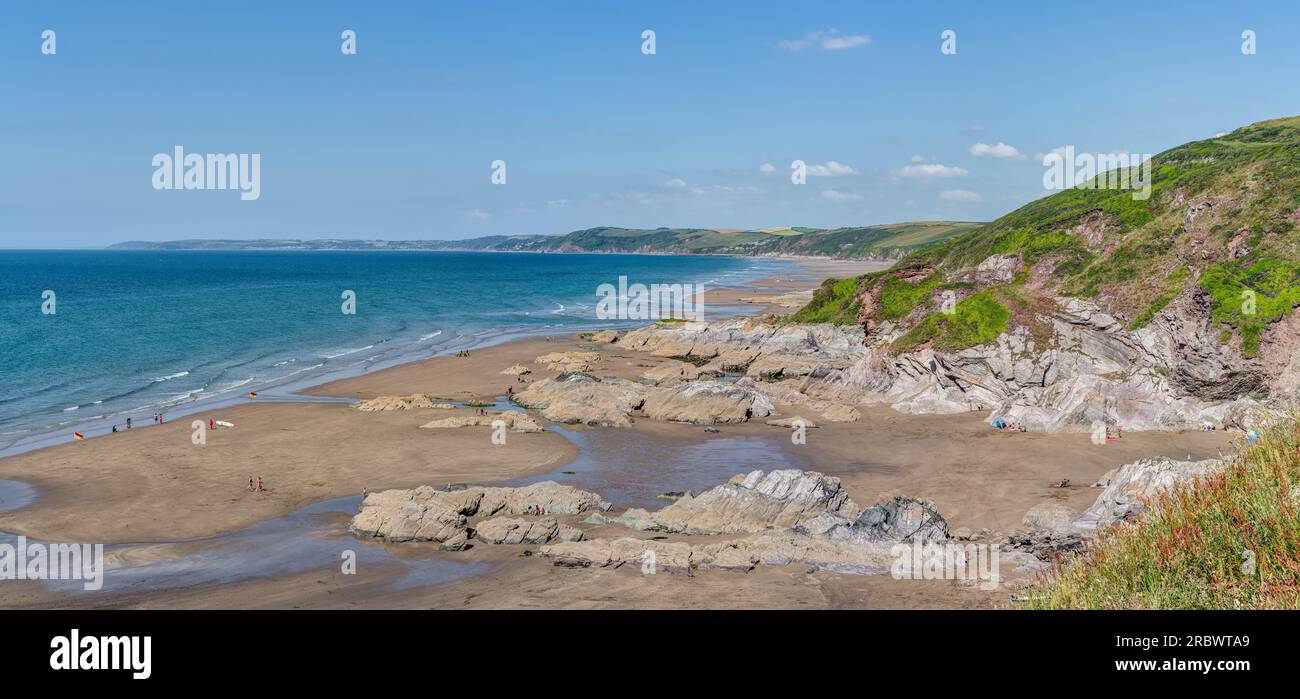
884	241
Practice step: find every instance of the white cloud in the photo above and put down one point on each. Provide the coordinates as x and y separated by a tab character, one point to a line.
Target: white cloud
830	168
932	170
1059	150
999	150
829	40
917	159
723	189
767	168
674	183
557	203
975	128
477	215
959	195
836	195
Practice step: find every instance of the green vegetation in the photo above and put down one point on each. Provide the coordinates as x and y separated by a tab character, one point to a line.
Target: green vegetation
975	320
1248	297
899	298
1230	542
834	302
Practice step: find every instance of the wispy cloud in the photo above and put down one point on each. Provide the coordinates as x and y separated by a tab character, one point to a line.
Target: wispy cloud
831	168
674	183
829	40
932	170
998	150
959	195
836	195
767	168
477	215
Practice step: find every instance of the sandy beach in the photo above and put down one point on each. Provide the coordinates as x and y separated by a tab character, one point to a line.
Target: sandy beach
153	484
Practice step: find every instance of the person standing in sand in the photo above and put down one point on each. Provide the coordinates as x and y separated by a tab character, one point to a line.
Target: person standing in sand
260	489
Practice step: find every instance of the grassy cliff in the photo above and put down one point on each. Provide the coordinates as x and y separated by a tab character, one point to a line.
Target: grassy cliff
1221	217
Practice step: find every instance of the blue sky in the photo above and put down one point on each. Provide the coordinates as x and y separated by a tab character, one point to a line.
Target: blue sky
397	141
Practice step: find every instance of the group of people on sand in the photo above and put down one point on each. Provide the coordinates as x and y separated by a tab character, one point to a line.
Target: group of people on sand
255	488
536	510
463	353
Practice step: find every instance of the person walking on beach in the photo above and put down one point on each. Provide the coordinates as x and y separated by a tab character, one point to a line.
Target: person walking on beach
128	423
260	489
250	484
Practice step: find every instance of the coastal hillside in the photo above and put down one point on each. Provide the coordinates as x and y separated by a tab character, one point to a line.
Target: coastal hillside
1187	294
887	241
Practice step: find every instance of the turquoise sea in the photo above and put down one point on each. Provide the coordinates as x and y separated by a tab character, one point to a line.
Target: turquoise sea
138	332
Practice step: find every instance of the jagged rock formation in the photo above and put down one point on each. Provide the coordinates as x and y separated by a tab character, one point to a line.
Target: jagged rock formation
1129	485
705	403
1080	372
518	530
789	516
753	502
567	362
411	402
579	398
514	421
426	514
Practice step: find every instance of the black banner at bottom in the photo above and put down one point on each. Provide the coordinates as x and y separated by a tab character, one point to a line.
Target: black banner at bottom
336	649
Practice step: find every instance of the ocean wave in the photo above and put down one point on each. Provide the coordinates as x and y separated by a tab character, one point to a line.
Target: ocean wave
344	353
169	377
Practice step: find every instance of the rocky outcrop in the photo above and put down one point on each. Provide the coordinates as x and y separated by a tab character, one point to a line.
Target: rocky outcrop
1131	484
753	502
514	421
1077	369
427	514
566	362
412	402
671	373
998	269
580	398
519	530
705	403
788	516
898	519
605	336
1090	373
516	370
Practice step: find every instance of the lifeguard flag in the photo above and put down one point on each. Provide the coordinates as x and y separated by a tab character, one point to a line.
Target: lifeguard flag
252	394
79	436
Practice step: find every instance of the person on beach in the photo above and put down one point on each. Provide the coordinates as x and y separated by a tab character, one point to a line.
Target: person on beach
250	484
114	429
128	423
260	489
